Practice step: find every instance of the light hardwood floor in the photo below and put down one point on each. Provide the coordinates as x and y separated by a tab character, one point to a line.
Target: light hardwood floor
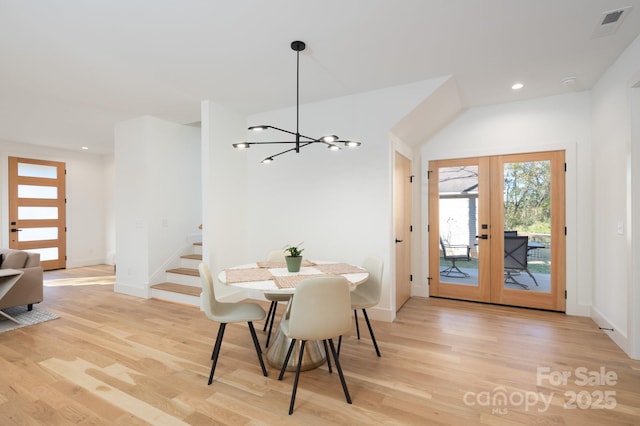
118	360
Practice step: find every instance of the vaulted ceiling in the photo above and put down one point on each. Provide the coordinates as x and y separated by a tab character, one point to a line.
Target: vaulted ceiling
71	70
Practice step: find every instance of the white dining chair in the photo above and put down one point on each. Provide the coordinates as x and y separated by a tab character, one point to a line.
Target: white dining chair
320	310
367	295
273	297
226	313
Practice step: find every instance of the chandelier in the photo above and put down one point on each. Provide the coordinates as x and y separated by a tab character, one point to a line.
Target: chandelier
331	141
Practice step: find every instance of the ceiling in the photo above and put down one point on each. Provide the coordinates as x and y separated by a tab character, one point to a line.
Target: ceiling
71	70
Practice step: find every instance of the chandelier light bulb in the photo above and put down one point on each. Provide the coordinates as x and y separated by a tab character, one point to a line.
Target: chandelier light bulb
329	138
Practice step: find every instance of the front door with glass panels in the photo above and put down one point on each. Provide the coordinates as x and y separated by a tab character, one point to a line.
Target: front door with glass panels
37	209
497	229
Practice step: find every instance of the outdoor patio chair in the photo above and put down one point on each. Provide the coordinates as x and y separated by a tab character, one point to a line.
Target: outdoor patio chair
515	260
453	253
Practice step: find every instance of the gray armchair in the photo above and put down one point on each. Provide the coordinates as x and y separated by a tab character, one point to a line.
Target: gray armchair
29	288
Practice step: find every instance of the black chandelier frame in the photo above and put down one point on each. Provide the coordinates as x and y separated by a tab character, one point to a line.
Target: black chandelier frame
331	141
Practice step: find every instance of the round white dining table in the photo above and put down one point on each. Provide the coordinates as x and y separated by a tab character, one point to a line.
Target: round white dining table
270	284
273	277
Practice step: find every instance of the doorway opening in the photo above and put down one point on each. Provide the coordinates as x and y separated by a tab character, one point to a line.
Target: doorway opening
497	229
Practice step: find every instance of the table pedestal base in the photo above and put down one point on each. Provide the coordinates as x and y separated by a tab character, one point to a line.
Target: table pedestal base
313	356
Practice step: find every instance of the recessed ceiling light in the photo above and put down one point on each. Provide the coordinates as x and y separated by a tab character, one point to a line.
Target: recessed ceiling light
517	86
85	148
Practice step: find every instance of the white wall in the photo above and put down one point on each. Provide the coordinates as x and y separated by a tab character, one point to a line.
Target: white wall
338	203
552	123
633	228
224	191
86	205
157	197
616	286
109	211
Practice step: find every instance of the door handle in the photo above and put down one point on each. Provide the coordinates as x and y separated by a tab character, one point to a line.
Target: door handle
483	237
398	241
15	230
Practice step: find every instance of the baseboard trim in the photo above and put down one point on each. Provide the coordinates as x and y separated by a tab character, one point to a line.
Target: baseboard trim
610	329
132	291
86	262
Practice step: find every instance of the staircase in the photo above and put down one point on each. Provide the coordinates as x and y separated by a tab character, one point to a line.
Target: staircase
183	283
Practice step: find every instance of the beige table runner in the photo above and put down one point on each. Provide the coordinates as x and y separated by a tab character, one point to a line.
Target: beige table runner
339	268
287	281
290	281
244	275
266	264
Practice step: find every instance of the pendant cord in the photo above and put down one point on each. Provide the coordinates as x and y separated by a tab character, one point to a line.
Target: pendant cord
298	101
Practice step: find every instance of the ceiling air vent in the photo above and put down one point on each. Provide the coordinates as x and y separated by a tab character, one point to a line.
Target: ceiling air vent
610	22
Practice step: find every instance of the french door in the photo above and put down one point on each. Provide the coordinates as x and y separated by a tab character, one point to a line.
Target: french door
37	213
497	229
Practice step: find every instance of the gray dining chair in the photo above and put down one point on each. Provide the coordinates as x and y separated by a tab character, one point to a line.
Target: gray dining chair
226	313
367	295
516	250
320	310
273	297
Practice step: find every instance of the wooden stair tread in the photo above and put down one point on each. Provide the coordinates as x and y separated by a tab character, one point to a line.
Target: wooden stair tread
178	288
192	256
185	271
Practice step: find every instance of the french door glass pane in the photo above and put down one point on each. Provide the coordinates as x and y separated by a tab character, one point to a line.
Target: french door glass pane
35	191
25	213
458	215
37	170
527	226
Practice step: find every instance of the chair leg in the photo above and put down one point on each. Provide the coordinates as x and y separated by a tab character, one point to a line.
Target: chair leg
295	380
326	352
355	314
373	338
532	277
286	359
339	368
257	345
216	350
273	316
339	344
509	279
271	309
453	269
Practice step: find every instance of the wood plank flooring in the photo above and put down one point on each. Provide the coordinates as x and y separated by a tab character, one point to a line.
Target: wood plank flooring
113	359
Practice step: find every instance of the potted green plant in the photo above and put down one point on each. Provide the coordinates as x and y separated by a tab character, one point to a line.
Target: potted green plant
294	259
